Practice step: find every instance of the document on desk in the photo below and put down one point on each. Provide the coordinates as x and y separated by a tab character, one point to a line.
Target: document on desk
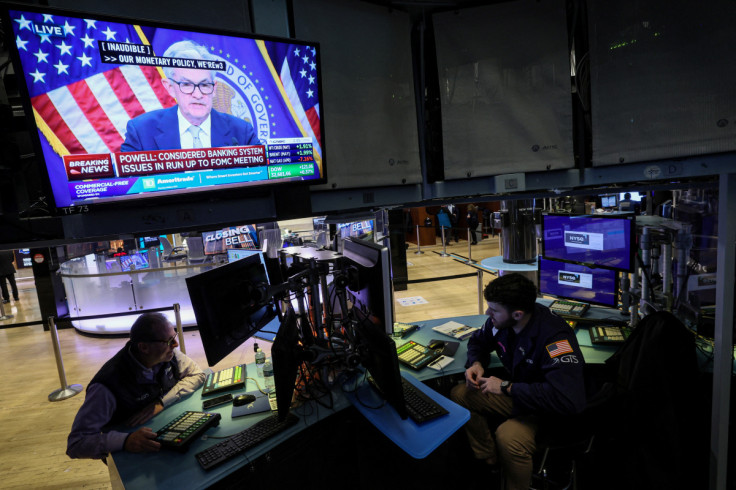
455	330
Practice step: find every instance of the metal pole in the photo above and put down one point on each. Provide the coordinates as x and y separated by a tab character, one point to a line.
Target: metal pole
470	251
646	271
444	243
65	391
179	331
419	249
481	310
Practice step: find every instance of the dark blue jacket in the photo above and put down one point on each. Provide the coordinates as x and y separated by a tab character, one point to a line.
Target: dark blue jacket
159	130
546	367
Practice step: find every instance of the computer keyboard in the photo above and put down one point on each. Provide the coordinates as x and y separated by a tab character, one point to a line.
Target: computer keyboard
568	308
227	379
421	407
243	441
185	428
608	334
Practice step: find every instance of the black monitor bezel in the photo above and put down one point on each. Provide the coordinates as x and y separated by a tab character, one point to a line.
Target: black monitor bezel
629	217
165	197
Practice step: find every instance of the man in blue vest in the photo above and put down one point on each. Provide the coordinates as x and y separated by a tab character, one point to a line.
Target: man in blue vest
543	376
143	378
192	123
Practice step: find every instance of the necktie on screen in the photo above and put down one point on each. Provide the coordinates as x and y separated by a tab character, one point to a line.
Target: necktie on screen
194	131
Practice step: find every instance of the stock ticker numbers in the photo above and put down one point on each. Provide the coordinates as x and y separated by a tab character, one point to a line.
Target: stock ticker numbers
290	157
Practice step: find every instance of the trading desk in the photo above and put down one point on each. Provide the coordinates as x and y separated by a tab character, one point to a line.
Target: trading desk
169	469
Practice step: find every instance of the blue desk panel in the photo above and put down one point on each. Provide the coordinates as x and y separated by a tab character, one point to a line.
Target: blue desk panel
169	469
418	440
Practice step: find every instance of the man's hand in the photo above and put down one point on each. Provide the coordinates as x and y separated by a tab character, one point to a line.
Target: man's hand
491	385
146	414
473	374
142	441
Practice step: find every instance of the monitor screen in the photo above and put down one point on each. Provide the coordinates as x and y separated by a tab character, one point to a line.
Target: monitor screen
234	254
243	236
134	261
578	282
592	240
356	229
370	283
378	355
609	201
228	305
285	355
126	109
634	196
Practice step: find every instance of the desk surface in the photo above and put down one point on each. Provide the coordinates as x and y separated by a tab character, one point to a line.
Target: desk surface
168	469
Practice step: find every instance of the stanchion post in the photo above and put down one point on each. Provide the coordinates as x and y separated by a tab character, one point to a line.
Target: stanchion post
179	331
65	391
470	250
444	243
419	249
481	310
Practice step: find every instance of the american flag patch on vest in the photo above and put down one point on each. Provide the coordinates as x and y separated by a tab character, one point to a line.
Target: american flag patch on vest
559	348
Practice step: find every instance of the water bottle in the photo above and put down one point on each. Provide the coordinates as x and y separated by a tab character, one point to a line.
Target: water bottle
268	377
260	361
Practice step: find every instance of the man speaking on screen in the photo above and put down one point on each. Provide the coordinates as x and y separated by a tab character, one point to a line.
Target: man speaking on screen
192	123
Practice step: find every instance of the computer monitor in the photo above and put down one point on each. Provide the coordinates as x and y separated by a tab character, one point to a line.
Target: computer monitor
633	196
234	254
357	229
595	241
378	355
370	280
578	282
286	358
609	201
134	261
229	306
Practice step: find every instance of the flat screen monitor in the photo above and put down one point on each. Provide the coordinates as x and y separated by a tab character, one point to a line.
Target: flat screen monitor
609	201
124	109
578	282
234	254
147	242
285	355
134	261
227	305
370	284
596	241
242	236
634	196
357	229
378	355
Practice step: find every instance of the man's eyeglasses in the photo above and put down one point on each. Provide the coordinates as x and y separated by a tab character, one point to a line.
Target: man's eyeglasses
168	343
205	88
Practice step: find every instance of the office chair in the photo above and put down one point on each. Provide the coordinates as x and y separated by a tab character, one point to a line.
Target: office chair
195	244
172	254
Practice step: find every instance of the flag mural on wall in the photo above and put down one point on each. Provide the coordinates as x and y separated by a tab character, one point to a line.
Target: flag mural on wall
87	78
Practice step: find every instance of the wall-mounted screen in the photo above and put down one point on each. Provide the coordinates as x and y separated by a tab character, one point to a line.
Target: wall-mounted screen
127	109
596	241
578	282
609	201
134	261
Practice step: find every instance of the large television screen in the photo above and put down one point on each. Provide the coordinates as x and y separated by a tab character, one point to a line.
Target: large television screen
578	282
596	241
127	110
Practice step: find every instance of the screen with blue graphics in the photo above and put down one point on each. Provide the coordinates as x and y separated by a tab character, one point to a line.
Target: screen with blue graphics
126	109
596	241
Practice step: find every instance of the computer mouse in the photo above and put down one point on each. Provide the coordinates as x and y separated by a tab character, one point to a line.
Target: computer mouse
436	344
243	400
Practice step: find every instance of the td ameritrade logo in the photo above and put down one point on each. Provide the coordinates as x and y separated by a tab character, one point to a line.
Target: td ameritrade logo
584	239
575	279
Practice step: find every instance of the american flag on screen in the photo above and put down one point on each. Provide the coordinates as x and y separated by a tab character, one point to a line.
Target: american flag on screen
559	348
80	104
297	69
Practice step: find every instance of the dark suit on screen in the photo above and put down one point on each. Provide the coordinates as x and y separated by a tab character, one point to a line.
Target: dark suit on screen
159	130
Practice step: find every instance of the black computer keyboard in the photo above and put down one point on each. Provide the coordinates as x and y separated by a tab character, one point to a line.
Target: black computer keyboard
569	308
185	428
244	440
421	407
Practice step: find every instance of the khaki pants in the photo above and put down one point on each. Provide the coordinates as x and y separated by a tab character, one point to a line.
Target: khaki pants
513	443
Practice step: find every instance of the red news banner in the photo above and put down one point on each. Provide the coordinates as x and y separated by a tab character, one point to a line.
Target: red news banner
140	163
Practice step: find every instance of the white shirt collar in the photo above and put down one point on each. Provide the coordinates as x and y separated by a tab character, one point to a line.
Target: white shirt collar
185	137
